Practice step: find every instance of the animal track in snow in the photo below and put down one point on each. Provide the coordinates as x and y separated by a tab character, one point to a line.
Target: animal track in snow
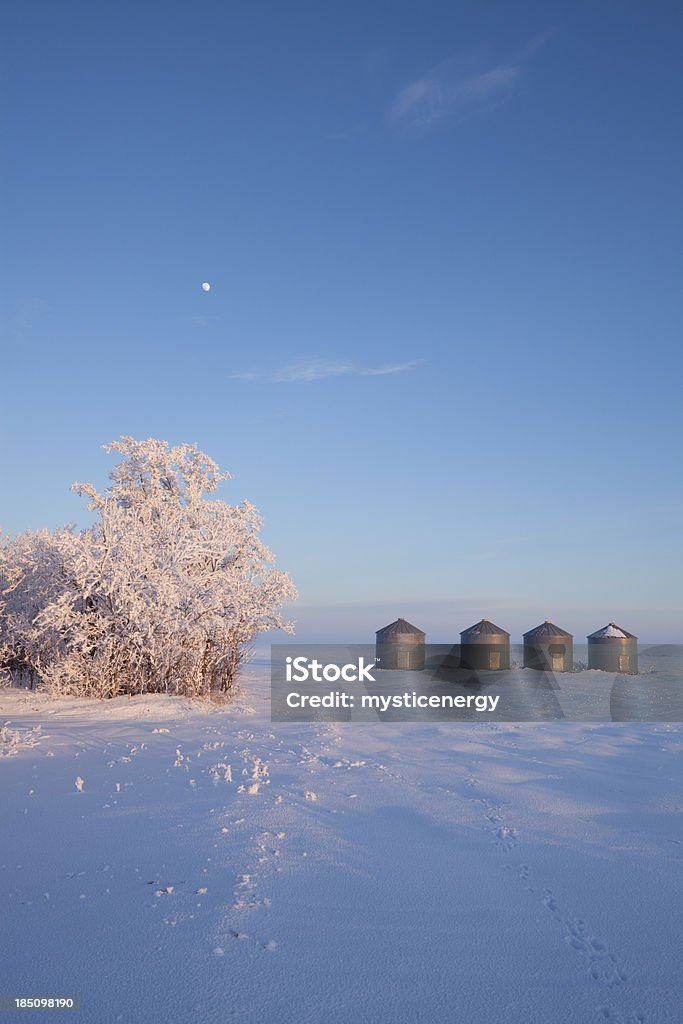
603	966
181	760
127	758
247	883
506	838
614	1017
524	876
245	894
344	762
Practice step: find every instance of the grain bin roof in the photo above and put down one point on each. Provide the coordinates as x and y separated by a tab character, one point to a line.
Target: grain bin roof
401	626
612	630
546	629
484	628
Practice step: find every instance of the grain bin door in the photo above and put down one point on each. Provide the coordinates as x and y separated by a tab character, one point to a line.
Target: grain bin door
404	659
557	662
494	659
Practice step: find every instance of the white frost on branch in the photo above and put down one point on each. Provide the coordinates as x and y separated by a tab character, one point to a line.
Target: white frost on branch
165	593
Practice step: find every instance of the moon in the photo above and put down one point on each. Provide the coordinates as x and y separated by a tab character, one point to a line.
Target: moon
206	287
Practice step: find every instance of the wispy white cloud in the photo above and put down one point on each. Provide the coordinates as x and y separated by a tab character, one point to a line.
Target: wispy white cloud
309	371
493	83
419	103
460	85
383	371
448	90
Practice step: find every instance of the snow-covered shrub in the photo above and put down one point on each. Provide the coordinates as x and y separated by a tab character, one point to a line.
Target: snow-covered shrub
165	593
31	576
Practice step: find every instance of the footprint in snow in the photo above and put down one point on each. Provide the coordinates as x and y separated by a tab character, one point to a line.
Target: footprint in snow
506	838
614	1017
603	966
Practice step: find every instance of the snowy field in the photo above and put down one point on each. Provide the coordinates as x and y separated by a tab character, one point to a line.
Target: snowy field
170	862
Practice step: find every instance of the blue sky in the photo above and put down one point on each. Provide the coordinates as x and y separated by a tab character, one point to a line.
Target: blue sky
441	352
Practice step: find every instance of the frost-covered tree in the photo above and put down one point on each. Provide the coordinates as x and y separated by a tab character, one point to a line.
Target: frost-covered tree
165	593
31	577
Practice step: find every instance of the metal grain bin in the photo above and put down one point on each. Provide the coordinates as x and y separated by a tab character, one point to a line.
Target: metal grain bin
400	646
548	647
485	646
613	649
